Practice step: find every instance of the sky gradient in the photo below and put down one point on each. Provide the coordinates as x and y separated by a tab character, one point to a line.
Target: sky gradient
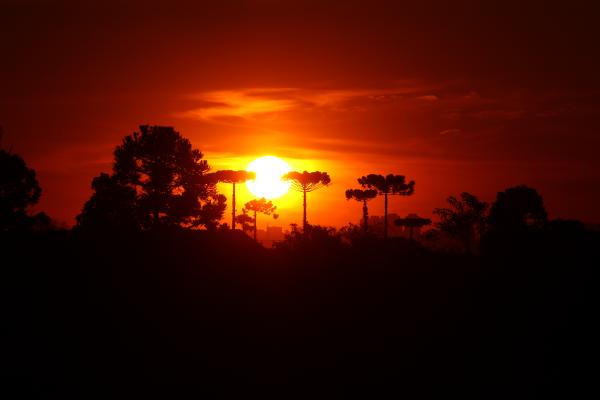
467	97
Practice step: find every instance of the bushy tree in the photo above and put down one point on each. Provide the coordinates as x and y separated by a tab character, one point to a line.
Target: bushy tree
19	190
111	206
305	182
168	178
464	219
518	208
387	185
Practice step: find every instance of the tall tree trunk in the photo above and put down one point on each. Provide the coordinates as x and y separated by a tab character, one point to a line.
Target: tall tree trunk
385	216
365	216
255	227
233	208
304	223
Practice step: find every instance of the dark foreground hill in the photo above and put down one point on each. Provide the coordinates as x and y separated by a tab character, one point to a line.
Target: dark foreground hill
213	313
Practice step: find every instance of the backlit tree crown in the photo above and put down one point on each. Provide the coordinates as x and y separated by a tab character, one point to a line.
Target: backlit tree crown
360	194
230	176
307	181
390	184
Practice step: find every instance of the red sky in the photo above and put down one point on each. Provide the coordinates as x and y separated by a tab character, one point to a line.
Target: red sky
461	97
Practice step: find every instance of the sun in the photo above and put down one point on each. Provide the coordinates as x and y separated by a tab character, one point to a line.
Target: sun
268	183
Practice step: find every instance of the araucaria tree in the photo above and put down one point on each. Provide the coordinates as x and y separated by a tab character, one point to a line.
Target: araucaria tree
260	206
387	185
305	182
411	222
233	177
363	196
168	179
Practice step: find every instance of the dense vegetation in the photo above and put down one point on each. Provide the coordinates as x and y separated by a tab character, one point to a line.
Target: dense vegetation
136	302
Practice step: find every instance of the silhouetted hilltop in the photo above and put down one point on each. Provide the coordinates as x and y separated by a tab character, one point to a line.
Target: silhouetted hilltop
165	311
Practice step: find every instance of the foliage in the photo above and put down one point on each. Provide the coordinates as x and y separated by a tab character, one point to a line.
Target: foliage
464	219
169	180
360	195
518	208
363	196
245	220
306	182
411	222
262	206
389	184
19	190
230	176
112	205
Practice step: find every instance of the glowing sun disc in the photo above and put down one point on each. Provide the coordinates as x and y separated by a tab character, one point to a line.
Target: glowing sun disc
268	183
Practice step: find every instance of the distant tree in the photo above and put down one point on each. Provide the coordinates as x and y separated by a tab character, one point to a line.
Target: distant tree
112	206
364	196
412	222
305	182
464	219
387	185
19	190
245	220
168	178
518	208
233	177
260	206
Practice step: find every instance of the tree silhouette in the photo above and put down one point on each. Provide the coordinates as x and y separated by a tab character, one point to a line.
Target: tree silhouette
464	219
168	178
246	221
518	208
387	185
305	182
260	206
19	190
412	221
364	196
111	206
233	177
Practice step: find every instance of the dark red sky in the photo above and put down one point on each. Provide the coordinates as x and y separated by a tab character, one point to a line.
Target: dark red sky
461	97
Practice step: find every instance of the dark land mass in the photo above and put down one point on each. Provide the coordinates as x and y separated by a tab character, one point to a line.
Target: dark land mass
169	312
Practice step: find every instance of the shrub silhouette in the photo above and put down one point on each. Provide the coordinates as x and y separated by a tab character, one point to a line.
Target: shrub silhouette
260	206
305	182
19	190
464	219
387	185
233	177
169	180
364	196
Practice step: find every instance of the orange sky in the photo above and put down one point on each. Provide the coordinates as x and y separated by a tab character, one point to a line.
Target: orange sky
467	97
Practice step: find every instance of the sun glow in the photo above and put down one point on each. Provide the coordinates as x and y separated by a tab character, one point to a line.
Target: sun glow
268	183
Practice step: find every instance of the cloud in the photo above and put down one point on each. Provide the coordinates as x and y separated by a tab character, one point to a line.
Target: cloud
247	103
428	97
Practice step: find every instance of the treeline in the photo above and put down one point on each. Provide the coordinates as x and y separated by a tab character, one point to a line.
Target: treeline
158	180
